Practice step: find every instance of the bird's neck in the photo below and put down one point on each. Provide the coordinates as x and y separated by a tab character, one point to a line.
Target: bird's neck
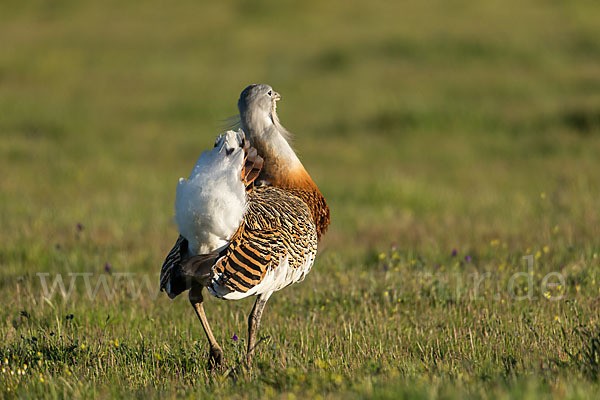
280	161
283	169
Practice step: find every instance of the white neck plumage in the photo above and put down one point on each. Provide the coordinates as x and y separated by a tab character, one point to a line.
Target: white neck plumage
268	136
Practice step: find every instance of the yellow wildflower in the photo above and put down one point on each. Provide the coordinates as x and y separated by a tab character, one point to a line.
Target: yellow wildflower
337	379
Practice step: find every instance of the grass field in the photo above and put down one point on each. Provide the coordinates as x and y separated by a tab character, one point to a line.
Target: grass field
430	127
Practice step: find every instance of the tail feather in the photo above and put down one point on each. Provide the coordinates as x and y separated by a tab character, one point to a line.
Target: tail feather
210	204
199	268
180	271
205	227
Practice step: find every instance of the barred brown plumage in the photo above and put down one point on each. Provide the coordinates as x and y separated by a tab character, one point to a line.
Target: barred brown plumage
277	225
317	205
253	211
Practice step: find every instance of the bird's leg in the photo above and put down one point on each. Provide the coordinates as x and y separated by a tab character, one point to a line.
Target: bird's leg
254	323
215	358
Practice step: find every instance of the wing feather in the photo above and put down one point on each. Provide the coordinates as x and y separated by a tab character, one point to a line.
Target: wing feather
277	226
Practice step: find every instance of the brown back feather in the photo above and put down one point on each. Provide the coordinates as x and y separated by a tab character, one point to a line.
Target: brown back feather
316	204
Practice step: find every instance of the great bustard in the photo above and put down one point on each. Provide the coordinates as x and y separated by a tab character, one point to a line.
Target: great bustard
249	218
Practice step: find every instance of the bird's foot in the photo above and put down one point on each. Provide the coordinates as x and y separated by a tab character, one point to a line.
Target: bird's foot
215	357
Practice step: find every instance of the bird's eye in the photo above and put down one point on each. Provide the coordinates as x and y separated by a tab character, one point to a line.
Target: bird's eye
269	93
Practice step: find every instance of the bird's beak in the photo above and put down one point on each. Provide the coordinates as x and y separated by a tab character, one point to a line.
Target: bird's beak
276	96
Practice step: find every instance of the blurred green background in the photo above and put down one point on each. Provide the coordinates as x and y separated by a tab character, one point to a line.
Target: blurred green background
428	126
411	116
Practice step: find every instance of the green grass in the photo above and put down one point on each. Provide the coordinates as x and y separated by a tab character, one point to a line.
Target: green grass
429	126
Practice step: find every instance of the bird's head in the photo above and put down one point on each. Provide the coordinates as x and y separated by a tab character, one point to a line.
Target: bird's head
258	102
